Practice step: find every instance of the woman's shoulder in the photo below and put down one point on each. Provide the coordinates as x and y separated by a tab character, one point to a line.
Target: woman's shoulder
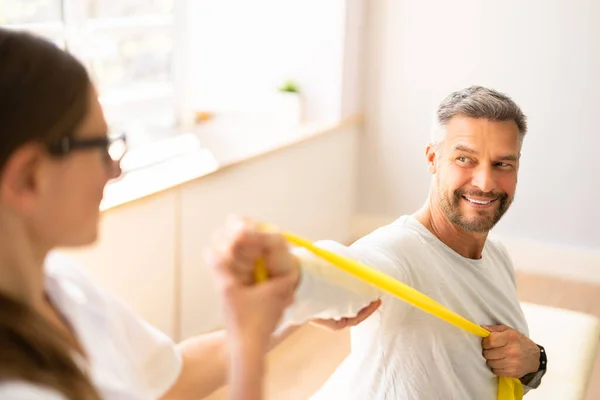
20	390
59	266
65	276
114	335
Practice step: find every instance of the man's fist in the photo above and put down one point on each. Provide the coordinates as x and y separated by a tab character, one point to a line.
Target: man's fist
509	353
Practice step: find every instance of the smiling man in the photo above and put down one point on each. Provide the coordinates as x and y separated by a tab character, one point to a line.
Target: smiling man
442	250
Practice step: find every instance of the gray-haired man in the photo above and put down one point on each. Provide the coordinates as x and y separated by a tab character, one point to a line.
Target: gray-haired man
442	250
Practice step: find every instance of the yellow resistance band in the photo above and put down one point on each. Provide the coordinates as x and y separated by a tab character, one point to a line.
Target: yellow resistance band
508	388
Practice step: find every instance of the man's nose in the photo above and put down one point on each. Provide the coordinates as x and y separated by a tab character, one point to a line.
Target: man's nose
483	178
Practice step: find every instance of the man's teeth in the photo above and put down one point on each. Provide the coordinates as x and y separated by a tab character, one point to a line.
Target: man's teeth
482	202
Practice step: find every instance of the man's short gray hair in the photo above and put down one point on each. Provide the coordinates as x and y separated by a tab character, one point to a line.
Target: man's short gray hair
477	102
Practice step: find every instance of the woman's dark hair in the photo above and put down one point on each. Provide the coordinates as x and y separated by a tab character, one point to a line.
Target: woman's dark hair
44	92
34	351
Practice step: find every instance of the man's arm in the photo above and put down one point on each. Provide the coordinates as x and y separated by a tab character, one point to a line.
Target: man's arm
534	379
326	292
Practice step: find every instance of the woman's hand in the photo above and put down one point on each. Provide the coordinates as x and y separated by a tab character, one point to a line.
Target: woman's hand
252	310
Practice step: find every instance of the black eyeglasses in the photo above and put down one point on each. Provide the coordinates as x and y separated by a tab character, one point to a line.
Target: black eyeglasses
114	146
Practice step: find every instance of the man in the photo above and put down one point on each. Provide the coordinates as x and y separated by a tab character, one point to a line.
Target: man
442	250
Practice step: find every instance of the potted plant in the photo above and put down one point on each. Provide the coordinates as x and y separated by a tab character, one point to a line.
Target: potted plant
290	100
290	87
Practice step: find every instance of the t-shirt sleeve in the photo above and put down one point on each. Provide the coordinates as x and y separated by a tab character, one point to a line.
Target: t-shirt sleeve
156	358
328	292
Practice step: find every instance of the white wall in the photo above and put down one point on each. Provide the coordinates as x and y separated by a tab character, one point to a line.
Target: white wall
241	51
544	53
355	38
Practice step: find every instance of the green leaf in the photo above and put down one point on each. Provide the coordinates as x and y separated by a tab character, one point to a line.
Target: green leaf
289	87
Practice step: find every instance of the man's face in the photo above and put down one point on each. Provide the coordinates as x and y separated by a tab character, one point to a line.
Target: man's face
475	171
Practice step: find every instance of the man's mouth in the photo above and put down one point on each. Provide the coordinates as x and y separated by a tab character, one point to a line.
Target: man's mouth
479	201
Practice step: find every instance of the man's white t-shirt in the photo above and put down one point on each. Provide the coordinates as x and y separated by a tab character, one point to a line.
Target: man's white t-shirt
128	358
401	352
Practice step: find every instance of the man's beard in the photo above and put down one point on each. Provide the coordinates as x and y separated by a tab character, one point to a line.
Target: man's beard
485	220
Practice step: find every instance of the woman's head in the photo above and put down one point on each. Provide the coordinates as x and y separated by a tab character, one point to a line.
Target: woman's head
52	176
54	164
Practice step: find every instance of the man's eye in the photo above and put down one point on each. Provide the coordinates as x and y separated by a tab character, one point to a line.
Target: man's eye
462	159
503	165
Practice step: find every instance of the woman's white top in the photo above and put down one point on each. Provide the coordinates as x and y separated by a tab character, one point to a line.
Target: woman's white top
128	358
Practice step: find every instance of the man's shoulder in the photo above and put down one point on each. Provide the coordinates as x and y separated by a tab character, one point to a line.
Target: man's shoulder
496	248
401	234
497	254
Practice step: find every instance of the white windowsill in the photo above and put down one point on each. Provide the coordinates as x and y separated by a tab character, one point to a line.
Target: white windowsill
208	149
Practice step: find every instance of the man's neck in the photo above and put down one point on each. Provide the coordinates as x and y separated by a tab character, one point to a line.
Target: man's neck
467	244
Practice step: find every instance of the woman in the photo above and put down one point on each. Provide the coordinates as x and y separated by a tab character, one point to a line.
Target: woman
61	336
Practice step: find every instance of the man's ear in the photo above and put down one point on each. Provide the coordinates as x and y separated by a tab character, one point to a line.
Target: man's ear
20	177
431	155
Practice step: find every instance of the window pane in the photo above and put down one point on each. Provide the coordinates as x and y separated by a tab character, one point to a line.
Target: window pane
29	11
138	57
128	8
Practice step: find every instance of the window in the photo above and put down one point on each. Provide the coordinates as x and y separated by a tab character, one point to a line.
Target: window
128	47
244	56
159	62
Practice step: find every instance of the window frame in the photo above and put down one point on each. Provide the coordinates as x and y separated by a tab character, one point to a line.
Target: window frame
147	102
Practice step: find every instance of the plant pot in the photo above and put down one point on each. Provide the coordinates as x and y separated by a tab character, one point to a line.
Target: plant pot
287	108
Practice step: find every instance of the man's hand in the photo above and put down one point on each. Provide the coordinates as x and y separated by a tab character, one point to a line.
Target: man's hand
344	323
509	353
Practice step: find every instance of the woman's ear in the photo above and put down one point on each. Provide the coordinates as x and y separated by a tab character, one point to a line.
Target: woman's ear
20	177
